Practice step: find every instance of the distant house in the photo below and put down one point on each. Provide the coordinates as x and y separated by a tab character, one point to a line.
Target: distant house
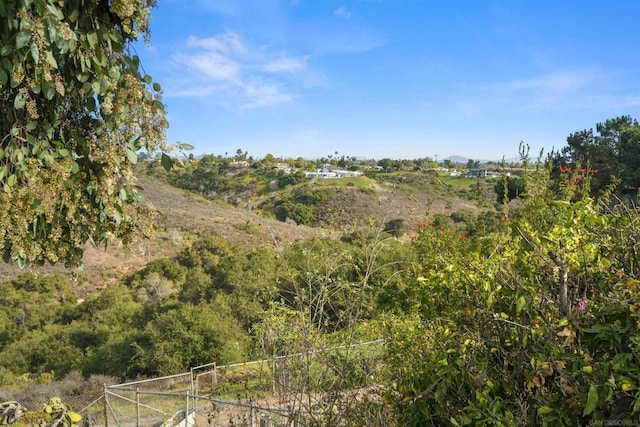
481	173
320	173
283	166
347	174
239	164
332	173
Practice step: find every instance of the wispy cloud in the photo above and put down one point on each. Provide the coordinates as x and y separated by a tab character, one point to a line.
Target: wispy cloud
554	83
342	12
290	65
565	90
239	74
228	42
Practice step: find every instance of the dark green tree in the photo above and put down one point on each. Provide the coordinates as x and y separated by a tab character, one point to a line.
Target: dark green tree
613	150
396	227
509	188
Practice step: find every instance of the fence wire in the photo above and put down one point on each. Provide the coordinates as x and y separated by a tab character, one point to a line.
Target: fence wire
295	390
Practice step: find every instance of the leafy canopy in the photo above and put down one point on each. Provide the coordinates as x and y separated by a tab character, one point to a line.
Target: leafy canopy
76	110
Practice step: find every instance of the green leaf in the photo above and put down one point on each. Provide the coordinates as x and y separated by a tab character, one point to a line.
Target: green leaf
132	156
55	11
544	410
166	161
95	87
520	304
104	84
91	103
100	58
159	105
592	401
22	39
114	73
19	102
51	60
73	16
63	45
12	180
92	38
48	90
157	87
4	78
35	53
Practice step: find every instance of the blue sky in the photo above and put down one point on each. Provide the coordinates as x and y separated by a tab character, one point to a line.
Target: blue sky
391	78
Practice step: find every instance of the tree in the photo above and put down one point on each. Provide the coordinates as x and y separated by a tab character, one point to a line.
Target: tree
395	227
613	150
509	188
76	110
295	211
386	164
534	323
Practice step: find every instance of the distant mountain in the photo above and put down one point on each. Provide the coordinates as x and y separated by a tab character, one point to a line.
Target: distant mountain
457	159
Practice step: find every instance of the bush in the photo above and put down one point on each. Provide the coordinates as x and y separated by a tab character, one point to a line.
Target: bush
536	323
298	212
395	227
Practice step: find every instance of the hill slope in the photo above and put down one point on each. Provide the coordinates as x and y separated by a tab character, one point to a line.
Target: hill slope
183	213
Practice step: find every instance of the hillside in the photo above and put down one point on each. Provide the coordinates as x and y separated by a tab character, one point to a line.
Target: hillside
182	212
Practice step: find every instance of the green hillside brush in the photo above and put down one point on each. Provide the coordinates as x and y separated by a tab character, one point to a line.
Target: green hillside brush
534	324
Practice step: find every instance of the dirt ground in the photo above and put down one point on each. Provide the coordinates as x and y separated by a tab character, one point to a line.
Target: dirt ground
183	212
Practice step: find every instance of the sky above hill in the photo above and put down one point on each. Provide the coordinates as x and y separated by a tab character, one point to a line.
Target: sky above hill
391	78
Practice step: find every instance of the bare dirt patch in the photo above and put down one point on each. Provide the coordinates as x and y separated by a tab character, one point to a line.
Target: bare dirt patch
183	213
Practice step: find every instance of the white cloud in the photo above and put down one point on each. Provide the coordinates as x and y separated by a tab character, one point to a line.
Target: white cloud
285	65
342	12
260	94
237	74
212	66
228	42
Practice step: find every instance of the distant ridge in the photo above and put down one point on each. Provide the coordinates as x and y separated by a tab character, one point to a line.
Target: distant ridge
457	159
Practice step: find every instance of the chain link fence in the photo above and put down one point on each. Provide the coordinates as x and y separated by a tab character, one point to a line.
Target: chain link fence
295	390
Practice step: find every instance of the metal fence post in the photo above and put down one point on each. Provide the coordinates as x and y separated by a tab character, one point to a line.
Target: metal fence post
106	405
137	406
186	412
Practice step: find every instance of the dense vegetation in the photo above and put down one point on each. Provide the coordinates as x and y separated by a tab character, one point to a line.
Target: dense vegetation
527	313
76	109
525	316
613	150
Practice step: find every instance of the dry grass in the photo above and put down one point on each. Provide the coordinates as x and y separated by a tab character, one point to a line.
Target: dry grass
181	213
184	213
